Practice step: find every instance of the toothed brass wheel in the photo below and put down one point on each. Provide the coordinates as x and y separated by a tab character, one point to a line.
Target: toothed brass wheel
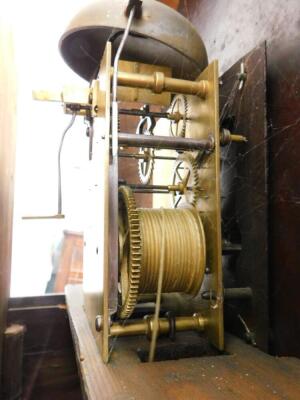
179	109
185	175
184	254
130	263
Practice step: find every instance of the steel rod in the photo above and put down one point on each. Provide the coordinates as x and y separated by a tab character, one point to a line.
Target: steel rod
230	248
165	158
143	157
230	294
59	180
164	142
166	188
151	191
142	113
142	186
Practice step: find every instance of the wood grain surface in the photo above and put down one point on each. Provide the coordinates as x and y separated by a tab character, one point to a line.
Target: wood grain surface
246	373
49	366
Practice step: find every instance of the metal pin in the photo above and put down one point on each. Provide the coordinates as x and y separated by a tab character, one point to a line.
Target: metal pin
242	76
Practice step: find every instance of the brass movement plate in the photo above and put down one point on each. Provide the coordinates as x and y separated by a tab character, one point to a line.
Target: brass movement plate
209	204
96	278
204	122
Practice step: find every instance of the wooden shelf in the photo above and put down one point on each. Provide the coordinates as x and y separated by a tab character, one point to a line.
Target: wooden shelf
246	373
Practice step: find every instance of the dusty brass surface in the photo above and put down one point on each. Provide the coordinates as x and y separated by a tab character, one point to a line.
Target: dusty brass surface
185	251
158	83
137	82
227	137
94	97
105	85
207	124
97	282
238	138
140	95
162	36
203	124
192	234
145	327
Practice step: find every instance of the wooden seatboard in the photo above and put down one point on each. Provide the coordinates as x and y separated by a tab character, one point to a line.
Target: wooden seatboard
246	373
